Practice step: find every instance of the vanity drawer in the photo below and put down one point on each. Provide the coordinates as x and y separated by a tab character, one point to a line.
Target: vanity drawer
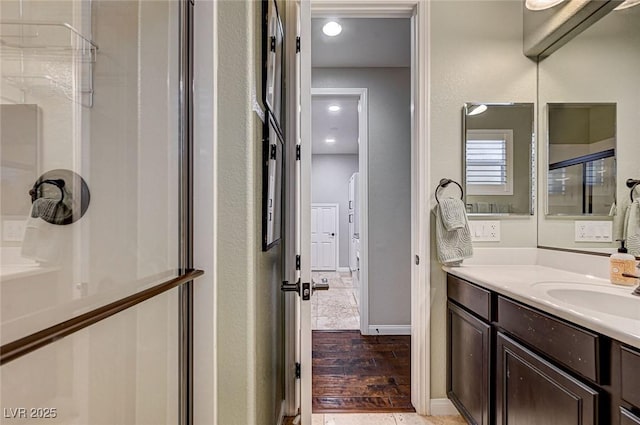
630	371
574	347
470	296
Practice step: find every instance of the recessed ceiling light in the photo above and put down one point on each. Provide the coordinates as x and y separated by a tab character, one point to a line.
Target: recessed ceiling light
477	109
332	28
334	108
330	140
541	4
627	4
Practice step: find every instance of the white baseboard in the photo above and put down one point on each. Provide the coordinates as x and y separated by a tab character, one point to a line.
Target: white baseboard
442	407
281	414
343	269
389	330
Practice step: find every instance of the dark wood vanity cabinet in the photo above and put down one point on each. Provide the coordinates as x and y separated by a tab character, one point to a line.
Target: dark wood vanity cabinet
532	391
511	364
469	372
469	350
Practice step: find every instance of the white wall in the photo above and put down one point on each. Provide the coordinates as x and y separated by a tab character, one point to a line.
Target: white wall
389	162
476	56
330	176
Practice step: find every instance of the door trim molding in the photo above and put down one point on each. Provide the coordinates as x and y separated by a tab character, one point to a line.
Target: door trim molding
332	204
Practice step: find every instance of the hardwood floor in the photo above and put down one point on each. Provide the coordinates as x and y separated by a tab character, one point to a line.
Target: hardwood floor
355	373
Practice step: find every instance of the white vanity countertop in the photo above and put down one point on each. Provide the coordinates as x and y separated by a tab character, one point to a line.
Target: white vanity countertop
595	303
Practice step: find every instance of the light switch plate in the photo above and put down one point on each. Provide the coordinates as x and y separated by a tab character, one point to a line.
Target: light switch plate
13	230
485	230
593	231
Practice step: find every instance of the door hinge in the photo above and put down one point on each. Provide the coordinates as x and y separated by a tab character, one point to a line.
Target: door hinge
273	44
297	262
297	44
297	152
298	371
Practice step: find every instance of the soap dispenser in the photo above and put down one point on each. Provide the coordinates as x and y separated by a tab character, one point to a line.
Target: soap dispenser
622	262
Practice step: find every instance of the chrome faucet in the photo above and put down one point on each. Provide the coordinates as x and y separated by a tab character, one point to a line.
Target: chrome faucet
637	290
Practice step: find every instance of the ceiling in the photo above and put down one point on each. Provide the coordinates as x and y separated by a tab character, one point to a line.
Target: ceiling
341	125
363	43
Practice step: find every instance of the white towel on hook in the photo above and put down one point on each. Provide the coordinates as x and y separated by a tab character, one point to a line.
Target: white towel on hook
454	245
632	228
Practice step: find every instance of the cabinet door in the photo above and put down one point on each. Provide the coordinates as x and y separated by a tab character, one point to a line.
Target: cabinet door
532	391
469	361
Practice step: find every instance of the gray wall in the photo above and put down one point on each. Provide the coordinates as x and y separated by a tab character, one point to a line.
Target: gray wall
389	166
330	176
238	303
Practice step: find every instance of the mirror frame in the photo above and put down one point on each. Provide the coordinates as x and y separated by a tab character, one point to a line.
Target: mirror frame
532	158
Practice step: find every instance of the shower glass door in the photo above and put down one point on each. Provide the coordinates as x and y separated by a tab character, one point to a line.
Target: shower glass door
90	209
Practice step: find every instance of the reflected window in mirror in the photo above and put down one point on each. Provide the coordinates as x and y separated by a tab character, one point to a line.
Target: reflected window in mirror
581	177
498	158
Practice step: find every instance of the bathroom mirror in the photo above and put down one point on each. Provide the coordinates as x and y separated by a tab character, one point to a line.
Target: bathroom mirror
581	177
599	66
498	158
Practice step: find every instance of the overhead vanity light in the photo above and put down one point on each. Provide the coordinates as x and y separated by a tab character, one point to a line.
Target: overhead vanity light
476	109
332	28
627	4
541	4
330	140
334	108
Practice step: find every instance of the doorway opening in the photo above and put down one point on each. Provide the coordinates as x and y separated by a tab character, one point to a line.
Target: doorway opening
339	135
361	87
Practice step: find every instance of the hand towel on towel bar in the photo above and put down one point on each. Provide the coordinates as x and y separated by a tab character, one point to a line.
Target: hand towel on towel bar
632	228
453	238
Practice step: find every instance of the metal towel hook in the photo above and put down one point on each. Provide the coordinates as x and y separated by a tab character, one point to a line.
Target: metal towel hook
444	183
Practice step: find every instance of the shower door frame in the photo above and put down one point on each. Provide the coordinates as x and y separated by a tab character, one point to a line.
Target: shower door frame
186	274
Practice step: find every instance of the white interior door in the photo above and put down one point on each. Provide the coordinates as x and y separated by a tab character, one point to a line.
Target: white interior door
324	239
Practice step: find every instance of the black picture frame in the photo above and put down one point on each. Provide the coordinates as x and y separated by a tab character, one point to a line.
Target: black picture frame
272	183
273	62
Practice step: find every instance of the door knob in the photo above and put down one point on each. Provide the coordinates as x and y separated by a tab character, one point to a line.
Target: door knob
333	234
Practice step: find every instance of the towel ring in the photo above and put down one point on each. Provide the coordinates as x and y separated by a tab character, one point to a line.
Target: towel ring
632	184
74	195
444	183
59	183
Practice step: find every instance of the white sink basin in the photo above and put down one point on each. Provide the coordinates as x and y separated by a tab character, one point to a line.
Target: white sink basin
623	305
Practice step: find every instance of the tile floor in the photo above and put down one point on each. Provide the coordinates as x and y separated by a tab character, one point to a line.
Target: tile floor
384	419
337	308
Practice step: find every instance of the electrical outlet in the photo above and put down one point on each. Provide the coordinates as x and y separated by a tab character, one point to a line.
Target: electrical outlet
485	231
593	231
13	230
